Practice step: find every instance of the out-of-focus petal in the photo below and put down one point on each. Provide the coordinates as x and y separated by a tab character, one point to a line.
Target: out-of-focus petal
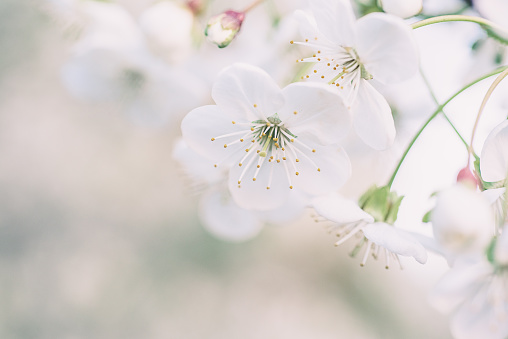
494	158
339	209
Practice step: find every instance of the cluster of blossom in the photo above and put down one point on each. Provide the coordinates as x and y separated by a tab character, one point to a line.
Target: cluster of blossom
263	154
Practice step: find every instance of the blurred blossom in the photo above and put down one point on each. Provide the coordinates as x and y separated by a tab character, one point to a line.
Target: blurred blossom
110	63
497	11
402	8
463	221
350	53
168	28
476	293
272	138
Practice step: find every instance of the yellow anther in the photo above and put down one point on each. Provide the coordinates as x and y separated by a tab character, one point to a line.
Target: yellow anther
241	140
315	71
315	38
246	150
252	129
278	160
295	112
283	149
306	40
258	151
277	145
307	76
213	139
319	52
319	169
258	166
337	85
322	77
301	77
239	182
292	140
215	165
318	59
283	158
240	164
275	139
225	146
313	151
267	187
297	160
253	179
341	87
297	173
328	64
313	55
291	42
255	105
291	187
335	68
233	122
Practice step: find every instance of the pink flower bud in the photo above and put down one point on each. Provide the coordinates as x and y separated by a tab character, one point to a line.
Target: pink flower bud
465	176
221	29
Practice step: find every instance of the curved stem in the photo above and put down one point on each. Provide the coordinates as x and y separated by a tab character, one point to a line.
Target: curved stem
252	5
427	83
436	112
484	102
448	18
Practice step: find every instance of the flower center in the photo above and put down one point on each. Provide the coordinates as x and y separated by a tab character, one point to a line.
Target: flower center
269	143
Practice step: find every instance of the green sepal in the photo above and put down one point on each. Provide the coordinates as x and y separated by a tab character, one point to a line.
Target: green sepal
490	250
486	185
427	216
381	204
393	210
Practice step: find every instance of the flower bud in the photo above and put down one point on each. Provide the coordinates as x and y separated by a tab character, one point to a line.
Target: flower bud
466	177
463	220
402	8
381	204
222	29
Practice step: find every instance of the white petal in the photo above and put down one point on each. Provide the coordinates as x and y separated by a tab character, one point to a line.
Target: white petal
463	220
223	218
340	210
195	165
493	194
373	119
501	253
477	318
292	209
402	8
336	20
315	112
334	170
494	158
457	285
395	240
387	48
254	195
168	27
310	32
247	93
207	122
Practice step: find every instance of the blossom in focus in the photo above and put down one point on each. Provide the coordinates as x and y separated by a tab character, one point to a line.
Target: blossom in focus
476	293
375	229
462	220
273	140
402	8
218	212
350	54
223	28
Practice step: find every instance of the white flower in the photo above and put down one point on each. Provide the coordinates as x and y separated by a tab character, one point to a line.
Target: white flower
218	212
112	66
349	54
376	236
495	10
494	168
168	29
274	139
477	294
402	8
463	221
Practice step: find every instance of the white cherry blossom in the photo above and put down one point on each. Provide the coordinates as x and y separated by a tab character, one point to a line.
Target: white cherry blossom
378	238
274	140
402	8
350	53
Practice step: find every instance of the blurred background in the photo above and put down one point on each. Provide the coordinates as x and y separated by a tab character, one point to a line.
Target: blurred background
99	234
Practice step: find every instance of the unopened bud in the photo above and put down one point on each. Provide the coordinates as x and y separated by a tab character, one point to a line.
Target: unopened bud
222	29
196	6
467	177
402	8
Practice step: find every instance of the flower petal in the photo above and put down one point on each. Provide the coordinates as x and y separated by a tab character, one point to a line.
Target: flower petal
387	48
373	119
223	218
292	209
395	240
340	210
494	159
254	195
204	123
329	170
336	20
247	93
312	35
315	112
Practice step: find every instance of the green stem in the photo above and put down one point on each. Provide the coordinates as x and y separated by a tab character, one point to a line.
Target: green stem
427	83
448	18
436	112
